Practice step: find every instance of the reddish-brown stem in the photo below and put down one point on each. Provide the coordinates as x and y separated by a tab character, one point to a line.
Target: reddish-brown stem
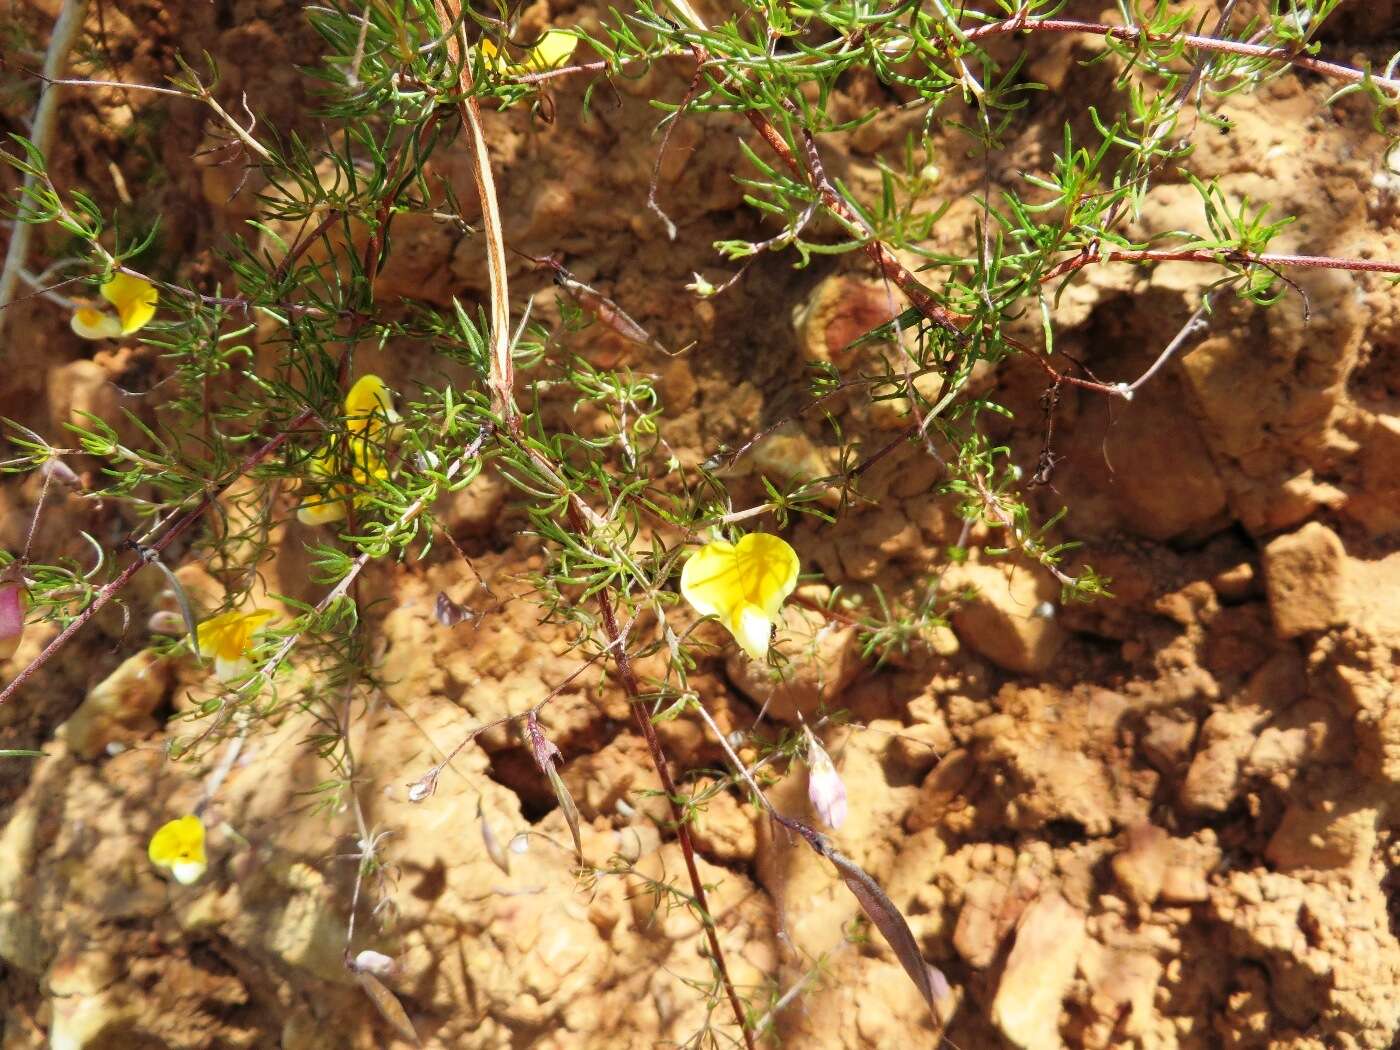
181	525
1134	34
628	676
919	296
302	244
1205	255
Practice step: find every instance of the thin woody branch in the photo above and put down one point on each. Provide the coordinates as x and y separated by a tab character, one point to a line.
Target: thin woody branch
1208	44
169	536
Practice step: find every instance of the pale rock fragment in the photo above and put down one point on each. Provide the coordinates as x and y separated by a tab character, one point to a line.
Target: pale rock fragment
119	707
1166	744
1192	861
1124	984
1039	970
1337	835
947	780
1004	622
1141	866
1305	574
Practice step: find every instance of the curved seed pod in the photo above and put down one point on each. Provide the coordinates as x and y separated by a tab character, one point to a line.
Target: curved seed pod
881	911
388	1005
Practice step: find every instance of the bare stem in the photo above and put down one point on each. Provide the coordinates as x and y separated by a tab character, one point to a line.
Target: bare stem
630	685
1134	34
502	368
180	526
65	32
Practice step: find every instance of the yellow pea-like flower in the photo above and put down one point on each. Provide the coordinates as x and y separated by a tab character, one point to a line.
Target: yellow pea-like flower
135	302
742	584
370	419
178	847
228	638
552	51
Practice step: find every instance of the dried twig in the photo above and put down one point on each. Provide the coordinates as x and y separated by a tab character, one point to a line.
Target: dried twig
65	32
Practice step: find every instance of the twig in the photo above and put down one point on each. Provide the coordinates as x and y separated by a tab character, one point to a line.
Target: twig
623	661
65	32
177	529
1134	34
502	367
1195	324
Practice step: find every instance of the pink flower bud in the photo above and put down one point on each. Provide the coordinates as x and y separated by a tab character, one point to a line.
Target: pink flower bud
824	786
11	618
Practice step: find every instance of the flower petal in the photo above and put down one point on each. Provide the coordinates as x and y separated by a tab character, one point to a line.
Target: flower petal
178	846
321	511
769	568
134	299
552	51
227	671
11	618
92	323
369	406
214	635
752	628
188	872
710	580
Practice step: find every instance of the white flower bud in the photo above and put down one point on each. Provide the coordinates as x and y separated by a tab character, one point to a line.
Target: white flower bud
375	963
824	786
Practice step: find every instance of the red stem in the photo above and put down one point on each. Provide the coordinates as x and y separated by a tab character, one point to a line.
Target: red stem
633	689
1206	255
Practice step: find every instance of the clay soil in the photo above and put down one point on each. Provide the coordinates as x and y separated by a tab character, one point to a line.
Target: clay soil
1164	819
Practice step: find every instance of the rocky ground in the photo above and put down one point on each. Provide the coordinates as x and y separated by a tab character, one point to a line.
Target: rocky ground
1165	819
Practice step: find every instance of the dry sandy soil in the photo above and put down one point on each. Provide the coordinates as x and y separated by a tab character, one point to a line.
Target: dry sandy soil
1165	819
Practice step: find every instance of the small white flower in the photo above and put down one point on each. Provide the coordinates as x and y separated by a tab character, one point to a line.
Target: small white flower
824	786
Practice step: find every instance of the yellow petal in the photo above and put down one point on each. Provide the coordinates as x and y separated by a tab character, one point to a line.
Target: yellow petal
134	299
321	511
710	579
752	629
368	398
91	323
229	636
553	50
744	584
179	847
492	55
769	568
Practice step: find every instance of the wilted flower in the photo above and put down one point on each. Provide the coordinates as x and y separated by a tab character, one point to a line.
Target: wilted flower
179	848
135	301
743	584
228	637
552	51
369	418
11	617
825	788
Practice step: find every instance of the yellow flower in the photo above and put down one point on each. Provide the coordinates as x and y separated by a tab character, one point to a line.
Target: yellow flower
553	50
228	637
369	418
135	301
744	584
179	848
